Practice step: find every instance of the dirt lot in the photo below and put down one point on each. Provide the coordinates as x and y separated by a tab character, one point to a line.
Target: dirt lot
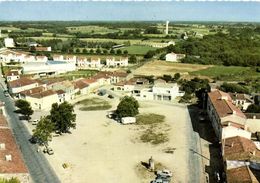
158	68
102	150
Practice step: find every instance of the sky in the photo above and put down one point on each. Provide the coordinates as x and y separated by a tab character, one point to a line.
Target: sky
130	11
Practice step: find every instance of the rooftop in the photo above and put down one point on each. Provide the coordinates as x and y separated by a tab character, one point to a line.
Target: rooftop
3	122
44	94
240	175
21	82
222	103
240	148
16	165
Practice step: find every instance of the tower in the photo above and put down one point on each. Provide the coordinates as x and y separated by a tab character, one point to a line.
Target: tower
167	27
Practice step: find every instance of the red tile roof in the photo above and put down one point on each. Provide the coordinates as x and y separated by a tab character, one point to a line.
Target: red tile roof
81	84
3	122
240	148
12	73
60	92
240	175
222	103
33	91
16	165
44	94
21	82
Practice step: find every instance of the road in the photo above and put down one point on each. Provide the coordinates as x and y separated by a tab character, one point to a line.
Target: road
39	168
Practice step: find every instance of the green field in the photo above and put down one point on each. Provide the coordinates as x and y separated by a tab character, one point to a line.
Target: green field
138	50
78	74
228	73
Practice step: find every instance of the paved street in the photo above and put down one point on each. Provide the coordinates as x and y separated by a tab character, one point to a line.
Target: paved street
39	168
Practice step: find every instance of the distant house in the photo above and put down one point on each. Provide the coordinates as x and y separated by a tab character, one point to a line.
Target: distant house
21	84
58	57
41	58
29	58
117	62
8	56
253	122
241	100
12	75
171	57
9	42
68	87
85	63
70	59
41	48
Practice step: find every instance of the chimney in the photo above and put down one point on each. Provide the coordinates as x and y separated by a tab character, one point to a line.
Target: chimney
2	146
8	157
234	112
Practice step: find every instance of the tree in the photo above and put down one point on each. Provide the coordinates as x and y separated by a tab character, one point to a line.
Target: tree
24	108
176	76
118	52
112	51
132	59
84	50
12	180
125	52
43	130
149	54
77	50
128	107
253	108
63	117
98	51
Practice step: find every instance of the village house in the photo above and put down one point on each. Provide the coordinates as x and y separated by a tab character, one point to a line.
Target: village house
68	87
253	122
29	58
173	57
41	58
57	57
86	63
42	100
130	85
21	84
70	59
12	75
117	62
12	164
81	86
241	157
222	113
9	42
241	101
8	56
41	48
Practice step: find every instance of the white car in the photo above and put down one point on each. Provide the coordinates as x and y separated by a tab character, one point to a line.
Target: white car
160	181
164	173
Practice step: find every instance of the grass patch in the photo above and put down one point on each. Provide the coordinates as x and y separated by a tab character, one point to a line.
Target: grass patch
94	104
228	73
138	49
78	74
155	138
148	119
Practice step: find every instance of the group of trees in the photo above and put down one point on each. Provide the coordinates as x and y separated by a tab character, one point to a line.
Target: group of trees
253	108
60	120
221	48
234	88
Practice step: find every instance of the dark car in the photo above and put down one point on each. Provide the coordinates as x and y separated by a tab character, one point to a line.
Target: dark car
110	96
35	140
6	93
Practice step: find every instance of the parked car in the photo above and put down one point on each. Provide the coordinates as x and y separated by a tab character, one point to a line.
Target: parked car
6	93
159	181
110	96
35	122
35	140
48	150
164	173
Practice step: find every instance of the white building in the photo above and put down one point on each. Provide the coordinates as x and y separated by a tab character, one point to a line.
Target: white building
41	59
9	42
171	57
119	62
49	67
85	63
